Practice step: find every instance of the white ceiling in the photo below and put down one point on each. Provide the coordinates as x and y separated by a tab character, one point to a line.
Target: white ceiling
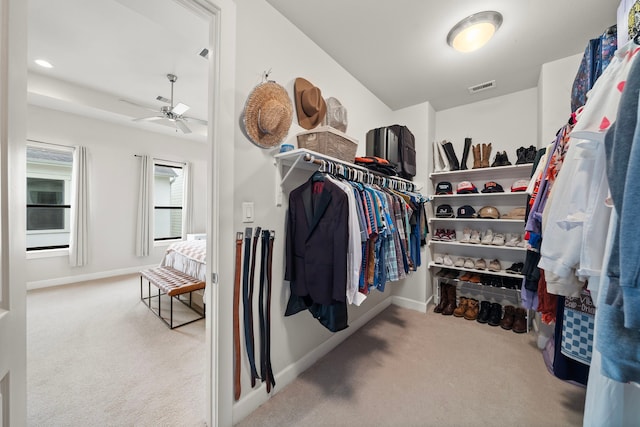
398	48
123	49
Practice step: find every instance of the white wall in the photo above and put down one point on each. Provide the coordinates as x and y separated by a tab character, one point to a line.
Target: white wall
113	189
266	40
554	96
507	122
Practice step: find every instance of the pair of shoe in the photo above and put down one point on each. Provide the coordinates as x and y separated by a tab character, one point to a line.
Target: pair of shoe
515	268
515	240
515	319
481	155
444	259
470	236
447	303
445	273
467	308
444	235
491	238
471	277
490	312
445	159
526	155
501	159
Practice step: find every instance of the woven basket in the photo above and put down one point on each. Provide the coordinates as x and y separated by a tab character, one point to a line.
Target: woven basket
329	141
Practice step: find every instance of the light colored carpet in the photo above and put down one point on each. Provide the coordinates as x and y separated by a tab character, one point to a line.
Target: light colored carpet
96	356
410	369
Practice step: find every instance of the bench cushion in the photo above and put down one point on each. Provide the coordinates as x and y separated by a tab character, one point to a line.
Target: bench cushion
172	281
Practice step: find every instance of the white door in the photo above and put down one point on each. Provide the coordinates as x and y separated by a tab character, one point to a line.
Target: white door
13	104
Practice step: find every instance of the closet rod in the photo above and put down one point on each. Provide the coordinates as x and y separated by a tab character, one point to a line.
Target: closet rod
162	160
409	185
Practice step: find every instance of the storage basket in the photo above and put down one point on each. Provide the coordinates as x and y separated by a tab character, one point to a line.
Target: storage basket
329	141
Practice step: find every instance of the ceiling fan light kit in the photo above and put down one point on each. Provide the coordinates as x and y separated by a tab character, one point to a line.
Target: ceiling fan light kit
474	31
172	113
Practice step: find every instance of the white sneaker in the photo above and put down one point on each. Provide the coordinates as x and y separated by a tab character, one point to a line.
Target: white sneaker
488	237
447	260
438	260
522	243
475	237
466	235
468	263
498	239
512	240
459	262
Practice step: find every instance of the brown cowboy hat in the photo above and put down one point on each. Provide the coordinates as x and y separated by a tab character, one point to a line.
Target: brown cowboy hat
310	105
268	114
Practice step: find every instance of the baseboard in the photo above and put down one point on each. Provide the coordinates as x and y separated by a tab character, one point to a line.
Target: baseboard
258	396
39	284
410	304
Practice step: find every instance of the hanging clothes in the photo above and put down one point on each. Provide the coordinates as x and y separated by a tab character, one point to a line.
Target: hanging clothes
359	236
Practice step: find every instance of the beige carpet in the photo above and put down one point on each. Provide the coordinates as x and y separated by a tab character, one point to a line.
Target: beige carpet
96	356
410	369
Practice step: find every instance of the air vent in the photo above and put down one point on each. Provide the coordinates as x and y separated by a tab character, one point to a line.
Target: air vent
482	86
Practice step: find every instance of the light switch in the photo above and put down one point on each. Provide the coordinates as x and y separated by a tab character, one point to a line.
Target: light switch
247	211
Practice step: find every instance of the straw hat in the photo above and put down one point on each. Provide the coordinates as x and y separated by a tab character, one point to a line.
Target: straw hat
310	105
268	113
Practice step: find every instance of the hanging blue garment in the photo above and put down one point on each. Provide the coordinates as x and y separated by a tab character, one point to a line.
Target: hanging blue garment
596	58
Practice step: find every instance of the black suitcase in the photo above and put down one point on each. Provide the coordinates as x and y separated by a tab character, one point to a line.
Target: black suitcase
396	144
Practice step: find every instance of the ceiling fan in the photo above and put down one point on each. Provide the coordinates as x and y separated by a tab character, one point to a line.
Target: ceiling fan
172	113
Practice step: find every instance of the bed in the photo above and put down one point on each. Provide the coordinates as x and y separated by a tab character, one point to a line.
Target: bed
188	257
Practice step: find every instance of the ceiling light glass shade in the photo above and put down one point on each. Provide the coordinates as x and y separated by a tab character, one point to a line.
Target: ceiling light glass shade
43	63
474	31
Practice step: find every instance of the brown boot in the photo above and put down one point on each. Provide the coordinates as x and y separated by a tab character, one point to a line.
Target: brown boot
508	317
520	321
486	155
477	156
443	298
472	309
462	307
451	299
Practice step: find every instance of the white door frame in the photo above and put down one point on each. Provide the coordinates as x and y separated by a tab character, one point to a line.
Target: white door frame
13	134
221	15
13	118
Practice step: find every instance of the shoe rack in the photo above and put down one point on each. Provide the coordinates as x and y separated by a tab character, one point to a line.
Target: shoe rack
456	248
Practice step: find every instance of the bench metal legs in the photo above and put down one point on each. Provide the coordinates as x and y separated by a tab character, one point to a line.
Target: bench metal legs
158	313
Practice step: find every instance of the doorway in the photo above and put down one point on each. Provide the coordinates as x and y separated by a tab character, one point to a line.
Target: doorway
209	12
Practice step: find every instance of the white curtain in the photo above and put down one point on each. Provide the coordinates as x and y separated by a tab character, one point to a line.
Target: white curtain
78	239
187	203
145	207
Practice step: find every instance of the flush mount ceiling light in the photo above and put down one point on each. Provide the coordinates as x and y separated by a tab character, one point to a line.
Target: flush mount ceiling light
474	31
43	63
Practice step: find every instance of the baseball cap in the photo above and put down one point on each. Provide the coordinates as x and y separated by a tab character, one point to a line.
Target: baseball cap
444	211
515	213
444	188
489	212
466	187
519	185
492	187
466	211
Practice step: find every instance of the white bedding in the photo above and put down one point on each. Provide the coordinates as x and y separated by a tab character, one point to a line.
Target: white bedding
189	257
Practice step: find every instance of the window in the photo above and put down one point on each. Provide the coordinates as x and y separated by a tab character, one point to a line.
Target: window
168	190
48	196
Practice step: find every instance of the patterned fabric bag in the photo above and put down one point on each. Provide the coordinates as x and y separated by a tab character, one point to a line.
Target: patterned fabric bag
577	327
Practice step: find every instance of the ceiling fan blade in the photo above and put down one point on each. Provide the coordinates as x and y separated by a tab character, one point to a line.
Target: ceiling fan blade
163	99
195	120
148	119
180	109
183	127
135	104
